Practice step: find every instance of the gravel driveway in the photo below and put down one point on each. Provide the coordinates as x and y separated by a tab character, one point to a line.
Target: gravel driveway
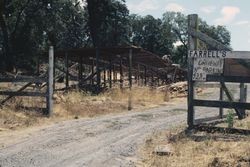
105	141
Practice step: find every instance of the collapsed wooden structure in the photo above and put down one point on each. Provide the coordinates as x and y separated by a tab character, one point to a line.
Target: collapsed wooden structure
100	67
94	68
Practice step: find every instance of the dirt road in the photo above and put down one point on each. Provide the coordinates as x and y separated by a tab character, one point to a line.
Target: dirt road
106	141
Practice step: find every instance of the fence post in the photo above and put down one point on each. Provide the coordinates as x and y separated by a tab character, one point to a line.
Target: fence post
98	71
192	45
104	77
110	74
221	99
242	98
50	82
121	74
130	80
80	70
67	70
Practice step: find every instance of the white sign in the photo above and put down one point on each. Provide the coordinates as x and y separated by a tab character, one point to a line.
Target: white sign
204	66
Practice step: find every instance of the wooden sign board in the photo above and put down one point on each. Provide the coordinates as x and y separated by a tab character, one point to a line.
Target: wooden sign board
204	66
229	63
219	54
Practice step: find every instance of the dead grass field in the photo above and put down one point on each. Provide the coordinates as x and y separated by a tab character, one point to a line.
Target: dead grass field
242	124
23	112
198	149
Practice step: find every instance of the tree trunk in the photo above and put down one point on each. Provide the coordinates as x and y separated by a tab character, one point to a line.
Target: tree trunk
7	56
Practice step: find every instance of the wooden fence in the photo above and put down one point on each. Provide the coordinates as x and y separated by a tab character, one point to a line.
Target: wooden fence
196	73
46	79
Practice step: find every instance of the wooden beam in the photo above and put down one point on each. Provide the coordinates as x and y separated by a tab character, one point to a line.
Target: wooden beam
18	93
231	99
24	79
20	90
64	71
205	38
224	104
236	79
207	84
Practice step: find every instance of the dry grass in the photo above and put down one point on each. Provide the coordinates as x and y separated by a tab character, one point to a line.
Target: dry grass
21	112
198	150
244	124
74	105
80	104
239	124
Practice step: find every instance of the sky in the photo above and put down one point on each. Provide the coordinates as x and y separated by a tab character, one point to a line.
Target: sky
234	14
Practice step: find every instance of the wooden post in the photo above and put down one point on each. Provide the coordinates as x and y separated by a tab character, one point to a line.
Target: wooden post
80	70
114	74
242	98
98	68
130	80
54	73
221	99
104	77
221	112
192	45
110	74
145	75
67	70
138	74
50	82
92	71
121	74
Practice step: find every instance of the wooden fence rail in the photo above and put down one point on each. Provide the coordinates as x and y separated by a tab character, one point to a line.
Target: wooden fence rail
33	80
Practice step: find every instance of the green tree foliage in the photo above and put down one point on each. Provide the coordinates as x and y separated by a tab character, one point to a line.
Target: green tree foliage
27	27
108	22
178	25
150	34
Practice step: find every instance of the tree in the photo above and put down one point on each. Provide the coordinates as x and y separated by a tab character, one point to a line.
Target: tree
179	26
107	22
151	34
6	56
29	25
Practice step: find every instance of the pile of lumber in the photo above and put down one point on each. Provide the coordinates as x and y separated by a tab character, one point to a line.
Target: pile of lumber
178	89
